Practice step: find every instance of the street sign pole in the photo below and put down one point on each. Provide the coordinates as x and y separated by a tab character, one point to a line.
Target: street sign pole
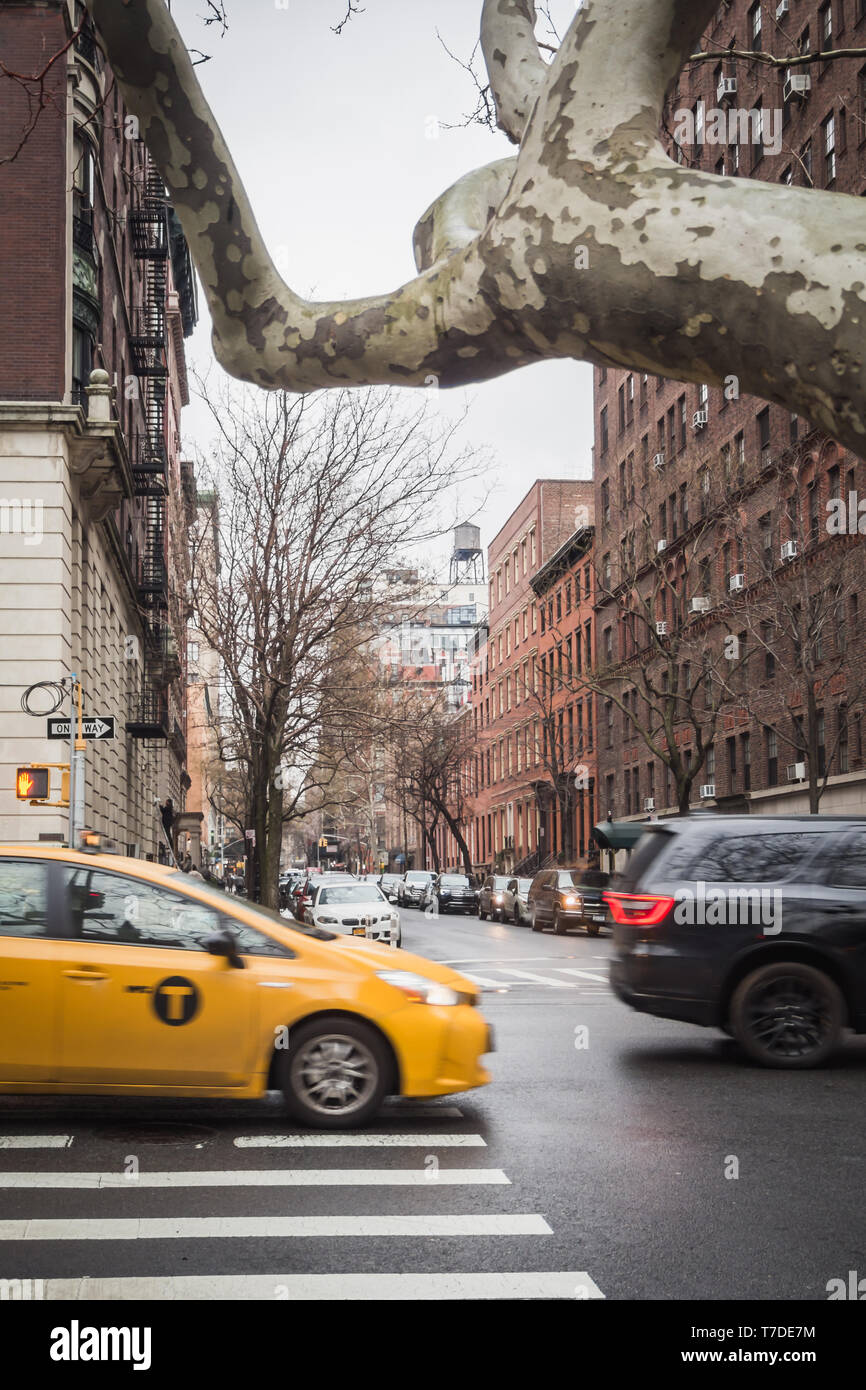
80	748
73	763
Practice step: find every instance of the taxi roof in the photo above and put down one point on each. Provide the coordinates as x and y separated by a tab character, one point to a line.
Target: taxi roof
144	868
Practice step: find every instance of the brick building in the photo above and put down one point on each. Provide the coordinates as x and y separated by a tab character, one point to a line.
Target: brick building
512	820
98	295
712	507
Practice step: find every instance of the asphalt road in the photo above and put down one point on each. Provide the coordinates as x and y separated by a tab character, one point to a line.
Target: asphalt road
599	1162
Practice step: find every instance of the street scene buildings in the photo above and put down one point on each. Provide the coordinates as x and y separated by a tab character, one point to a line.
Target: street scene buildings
432	690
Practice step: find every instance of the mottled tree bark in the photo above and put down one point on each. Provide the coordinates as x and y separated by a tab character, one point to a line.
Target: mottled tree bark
592	243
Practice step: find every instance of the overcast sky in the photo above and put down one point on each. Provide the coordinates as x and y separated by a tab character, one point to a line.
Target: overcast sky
338	142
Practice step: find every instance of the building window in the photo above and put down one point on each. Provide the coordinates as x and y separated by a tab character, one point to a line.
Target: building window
603	430
828	132
772	758
755	28
605	503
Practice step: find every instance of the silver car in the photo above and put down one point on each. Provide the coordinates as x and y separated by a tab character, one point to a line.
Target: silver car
514	906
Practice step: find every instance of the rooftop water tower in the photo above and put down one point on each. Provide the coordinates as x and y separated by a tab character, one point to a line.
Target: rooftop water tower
467	557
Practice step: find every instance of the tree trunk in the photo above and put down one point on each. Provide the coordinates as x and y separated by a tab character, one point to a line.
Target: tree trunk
812	747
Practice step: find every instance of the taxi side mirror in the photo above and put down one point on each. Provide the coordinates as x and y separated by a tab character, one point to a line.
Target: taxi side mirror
224	944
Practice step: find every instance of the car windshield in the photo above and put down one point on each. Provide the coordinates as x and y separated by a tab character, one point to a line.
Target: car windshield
418	878
226	901
350	893
524	885
567	879
501	882
454	881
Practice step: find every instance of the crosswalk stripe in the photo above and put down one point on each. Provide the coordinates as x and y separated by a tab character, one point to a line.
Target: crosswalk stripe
270	1227
537	979
248	1177
360	1141
35	1141
298	1288
583	974
405	1110
482	980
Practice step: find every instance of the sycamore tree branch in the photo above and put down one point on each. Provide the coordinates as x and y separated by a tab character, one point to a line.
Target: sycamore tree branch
602	248
799	60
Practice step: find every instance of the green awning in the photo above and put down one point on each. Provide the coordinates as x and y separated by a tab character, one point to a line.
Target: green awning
619	834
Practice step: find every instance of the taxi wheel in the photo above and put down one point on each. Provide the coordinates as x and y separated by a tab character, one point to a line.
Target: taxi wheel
336	1073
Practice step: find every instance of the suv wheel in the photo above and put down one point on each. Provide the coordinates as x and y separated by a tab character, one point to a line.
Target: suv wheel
559	927
788	1015
516	915
482	915
336	1073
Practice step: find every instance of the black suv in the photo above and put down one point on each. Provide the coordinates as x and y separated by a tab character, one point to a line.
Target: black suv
450	893
755	925
561	898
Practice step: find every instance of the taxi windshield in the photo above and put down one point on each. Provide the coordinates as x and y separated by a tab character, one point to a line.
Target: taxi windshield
225	901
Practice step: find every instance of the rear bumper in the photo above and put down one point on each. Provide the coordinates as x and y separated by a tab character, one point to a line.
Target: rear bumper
630	985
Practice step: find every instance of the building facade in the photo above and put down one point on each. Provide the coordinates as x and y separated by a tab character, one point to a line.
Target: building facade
719	567
98	296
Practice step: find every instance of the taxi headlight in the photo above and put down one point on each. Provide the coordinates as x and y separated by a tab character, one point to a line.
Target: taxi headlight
419	989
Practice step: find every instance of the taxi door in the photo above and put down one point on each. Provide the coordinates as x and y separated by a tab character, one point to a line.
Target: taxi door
28	972
142	1003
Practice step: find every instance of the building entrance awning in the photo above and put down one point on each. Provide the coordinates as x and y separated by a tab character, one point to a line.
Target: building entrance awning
618	834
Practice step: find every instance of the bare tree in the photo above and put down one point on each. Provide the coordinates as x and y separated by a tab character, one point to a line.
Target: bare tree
315	500
590	243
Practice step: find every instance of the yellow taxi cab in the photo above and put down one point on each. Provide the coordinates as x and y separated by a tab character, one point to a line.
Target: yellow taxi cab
122	977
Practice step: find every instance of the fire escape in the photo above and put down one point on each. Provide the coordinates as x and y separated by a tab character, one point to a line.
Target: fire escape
148	223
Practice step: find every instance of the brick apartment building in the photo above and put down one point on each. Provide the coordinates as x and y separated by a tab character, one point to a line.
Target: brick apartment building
711	508
512	819
98	295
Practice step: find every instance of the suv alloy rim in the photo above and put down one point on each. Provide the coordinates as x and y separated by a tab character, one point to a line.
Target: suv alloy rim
788	1016
334	1074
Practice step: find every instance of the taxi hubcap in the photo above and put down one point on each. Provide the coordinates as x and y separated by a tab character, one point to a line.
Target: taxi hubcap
335	1073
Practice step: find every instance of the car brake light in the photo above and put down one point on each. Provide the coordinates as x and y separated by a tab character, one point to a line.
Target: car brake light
638	909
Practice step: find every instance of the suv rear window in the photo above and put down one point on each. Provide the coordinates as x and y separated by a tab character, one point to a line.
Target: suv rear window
750	858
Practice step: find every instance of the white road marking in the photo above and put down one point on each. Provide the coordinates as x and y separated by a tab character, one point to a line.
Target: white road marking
407	1111
271	1227
298	1288
35	1141
249	1177
584	974
482	980
360	1141
537	979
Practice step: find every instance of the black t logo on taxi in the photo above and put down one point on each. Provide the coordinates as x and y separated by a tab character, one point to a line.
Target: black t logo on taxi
176	1000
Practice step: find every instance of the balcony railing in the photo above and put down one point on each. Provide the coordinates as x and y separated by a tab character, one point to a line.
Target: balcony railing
82	233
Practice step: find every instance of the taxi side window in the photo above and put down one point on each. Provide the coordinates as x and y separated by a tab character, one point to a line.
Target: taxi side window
126	911
252	942
23	898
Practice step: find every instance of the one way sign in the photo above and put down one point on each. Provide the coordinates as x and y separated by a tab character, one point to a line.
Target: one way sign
100	726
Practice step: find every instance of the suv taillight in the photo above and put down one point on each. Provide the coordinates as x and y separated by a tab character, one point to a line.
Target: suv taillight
638	909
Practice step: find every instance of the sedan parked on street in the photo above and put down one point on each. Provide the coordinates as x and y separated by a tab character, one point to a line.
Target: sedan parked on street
389	883
492	896
755	925
354	909
560	899
450	893
515	907
412	887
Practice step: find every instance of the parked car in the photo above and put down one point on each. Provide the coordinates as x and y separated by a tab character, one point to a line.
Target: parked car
559	898
412	887
492	894
217	997
353	908
389	883
755	925
302	896
450	893
514	901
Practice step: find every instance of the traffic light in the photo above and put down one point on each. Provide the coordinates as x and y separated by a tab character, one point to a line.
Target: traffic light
33	784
